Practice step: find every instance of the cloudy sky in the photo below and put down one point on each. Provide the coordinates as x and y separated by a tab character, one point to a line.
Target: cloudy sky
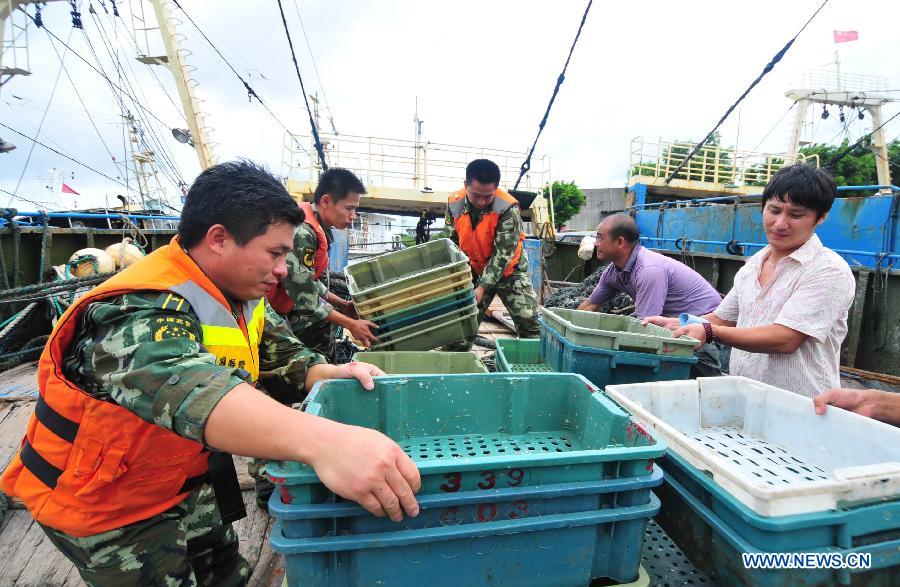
482	73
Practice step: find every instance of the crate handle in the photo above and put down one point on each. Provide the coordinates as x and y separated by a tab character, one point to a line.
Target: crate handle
443	500
637	359
290	546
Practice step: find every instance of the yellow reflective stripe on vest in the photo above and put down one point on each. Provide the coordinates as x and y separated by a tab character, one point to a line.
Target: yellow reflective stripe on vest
223	336
256	324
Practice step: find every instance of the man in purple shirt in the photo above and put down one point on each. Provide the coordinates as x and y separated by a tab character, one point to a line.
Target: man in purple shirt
660	286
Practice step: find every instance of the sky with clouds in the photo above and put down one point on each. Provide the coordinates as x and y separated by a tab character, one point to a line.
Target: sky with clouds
481	72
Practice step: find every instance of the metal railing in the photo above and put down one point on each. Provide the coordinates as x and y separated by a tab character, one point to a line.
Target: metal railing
823	79
400	163
723	166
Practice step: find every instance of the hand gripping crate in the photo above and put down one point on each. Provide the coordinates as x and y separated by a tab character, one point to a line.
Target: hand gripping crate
607	367
714	529
617	333
520	355
766	446
469	432
417	362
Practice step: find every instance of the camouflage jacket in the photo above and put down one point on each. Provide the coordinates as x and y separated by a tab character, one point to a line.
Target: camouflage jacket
129	353
308	294
506	239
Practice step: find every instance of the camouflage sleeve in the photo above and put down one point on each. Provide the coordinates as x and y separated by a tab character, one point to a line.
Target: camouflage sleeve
150	361
506	239
308	294
283	360
451	227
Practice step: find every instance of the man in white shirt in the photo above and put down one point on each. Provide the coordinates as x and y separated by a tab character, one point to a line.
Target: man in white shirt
786	315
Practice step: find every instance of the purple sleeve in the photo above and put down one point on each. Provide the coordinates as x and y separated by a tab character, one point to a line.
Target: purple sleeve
651	288
604	291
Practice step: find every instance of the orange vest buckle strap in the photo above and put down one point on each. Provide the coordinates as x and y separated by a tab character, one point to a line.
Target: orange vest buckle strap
88	466
478	242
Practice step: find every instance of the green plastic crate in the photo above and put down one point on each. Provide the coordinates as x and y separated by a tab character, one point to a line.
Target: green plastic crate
520	355
417	362
457	326
416	292
618	333
417	309
496	430
395	271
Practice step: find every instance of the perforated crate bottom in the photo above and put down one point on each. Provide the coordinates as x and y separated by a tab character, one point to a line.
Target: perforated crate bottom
760	460
463	446
530	368
666	564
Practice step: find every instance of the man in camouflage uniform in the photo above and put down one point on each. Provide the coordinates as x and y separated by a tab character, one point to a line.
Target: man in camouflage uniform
142	352
485	222
317	312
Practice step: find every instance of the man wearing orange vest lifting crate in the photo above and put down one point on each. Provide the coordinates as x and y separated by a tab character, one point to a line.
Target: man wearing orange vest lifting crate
149	381
312	311
486	224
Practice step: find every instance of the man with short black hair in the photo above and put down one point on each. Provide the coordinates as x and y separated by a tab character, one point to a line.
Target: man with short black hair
786	315
486	224
148	382
658	284
311	309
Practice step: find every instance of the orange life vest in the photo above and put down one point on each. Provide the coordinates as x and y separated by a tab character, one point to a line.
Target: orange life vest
278	297
88	466
478	242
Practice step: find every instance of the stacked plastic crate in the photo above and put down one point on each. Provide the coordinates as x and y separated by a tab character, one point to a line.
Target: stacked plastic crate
421	298
415	362
610	349
526	480
752	470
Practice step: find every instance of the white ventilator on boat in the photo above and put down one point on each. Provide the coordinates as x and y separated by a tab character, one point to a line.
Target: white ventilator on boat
90	261
124	253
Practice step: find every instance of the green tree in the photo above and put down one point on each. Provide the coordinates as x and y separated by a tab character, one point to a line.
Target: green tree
858	166
567	201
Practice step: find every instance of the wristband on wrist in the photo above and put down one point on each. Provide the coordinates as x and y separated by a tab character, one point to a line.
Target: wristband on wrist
710	337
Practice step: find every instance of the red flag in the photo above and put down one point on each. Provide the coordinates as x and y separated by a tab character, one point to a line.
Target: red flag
67	190
844	36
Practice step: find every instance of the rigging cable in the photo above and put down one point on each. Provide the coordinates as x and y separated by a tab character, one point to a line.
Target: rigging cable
769	67
250	91
526	165
158	146
312	123
61	154
86	111
846	151
315	68
40	126
771	130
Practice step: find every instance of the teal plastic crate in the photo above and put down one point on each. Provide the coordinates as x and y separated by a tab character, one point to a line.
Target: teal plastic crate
560	549
459	303
416	309
340	518
468	432
607	367
520	355
418	362
617	333
415	293
713	529
398	270
456	326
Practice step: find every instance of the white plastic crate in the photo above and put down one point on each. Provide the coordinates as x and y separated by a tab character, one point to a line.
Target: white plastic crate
766	446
